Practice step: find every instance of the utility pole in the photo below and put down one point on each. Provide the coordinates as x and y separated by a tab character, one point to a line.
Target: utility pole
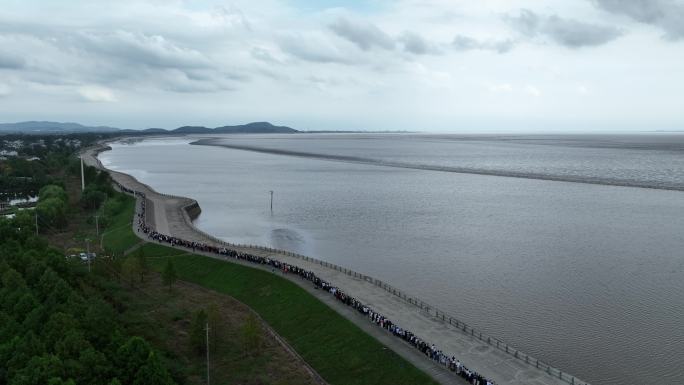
271	201
207	353
82	175
97	227
36	214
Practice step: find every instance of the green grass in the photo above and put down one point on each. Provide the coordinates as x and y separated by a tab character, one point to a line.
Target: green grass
119	237
336	348
153	250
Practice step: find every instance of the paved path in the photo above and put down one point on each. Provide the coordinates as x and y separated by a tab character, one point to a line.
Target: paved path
169	217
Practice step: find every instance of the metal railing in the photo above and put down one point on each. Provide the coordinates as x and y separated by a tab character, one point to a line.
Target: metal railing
423	305
413	300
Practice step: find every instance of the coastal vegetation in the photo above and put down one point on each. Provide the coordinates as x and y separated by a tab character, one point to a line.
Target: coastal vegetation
56	325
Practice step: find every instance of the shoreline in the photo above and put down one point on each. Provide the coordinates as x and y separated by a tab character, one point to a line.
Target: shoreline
174	215
449	169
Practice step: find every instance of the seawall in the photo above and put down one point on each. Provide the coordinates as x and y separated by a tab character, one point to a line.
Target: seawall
173	215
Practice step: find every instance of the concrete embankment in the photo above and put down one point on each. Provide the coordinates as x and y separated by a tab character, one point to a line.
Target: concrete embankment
173	215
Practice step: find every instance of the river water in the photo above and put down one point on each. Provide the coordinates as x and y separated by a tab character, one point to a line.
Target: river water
587	276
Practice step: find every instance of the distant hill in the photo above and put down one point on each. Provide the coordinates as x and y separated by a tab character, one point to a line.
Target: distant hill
193	130
249	128
51	127
59	128
143	132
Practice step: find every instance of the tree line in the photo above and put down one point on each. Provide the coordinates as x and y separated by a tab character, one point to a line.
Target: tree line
57	324
56	329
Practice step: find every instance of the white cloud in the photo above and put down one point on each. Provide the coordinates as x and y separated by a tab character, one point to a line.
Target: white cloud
9	61
417	44
365	35
96	94
533	91
466	43
314	47
582	90
570	33
665	14
5	90
130	48
168	63
501	88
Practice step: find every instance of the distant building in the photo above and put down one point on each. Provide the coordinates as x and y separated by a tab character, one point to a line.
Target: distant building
8	153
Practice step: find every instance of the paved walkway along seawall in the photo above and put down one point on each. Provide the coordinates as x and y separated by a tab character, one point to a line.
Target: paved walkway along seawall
505	365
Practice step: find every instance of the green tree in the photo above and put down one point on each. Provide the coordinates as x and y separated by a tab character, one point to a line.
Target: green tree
99	322
112	207
130	357
214	321
39	370
152	373
51	212
71	345
130	270
198	331
115	265
98	369
57	327
59	381
49	333
169	276
251	335
92	198
52	191
25	221
143	266
23	307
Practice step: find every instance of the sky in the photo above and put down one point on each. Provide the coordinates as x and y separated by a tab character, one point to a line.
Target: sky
416	65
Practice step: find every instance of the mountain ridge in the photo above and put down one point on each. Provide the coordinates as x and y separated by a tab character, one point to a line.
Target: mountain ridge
49	127
42	127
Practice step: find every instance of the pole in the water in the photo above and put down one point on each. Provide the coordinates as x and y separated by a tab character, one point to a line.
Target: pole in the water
82	176
271	201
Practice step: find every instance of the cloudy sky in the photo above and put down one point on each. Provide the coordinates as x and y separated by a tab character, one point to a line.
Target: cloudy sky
433	65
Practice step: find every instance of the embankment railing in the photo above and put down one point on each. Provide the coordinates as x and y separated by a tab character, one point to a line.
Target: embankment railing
423	305
413	300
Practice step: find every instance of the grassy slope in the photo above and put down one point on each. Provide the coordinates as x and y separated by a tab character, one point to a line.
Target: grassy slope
340	351
119	237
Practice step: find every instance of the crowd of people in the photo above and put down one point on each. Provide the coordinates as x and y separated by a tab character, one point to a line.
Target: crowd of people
429	350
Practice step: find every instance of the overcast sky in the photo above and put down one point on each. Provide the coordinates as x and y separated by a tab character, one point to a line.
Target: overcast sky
433	65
